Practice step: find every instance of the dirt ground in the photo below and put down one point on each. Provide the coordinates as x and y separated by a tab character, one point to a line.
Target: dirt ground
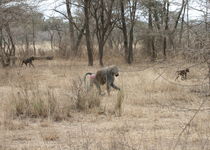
158	113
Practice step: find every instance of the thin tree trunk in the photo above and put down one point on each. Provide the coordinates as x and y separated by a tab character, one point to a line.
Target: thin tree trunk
166	12
88	36
101	52
79	39
188	30
12	52
34	35
1	40
179	15
51	41
124	29
71	26
26	42
132	18
151	37
130	52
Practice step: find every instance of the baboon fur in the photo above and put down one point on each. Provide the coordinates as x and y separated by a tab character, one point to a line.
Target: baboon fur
28	61
104	76
182	74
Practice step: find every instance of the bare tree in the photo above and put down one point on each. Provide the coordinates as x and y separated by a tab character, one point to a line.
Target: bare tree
124	28
71	26
102	12
87	33
128	35
10	12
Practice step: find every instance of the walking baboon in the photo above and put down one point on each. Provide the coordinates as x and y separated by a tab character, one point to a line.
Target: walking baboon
182	74
102	76
28	61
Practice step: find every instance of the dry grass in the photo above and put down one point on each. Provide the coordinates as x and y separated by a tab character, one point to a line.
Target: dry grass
148	113
29	100
84	100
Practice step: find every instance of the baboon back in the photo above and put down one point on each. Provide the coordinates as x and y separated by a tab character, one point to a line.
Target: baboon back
101	77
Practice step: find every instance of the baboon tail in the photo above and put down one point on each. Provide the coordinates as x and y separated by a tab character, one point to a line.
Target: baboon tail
88	73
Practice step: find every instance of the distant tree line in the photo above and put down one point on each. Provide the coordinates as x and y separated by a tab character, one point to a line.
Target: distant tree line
124	28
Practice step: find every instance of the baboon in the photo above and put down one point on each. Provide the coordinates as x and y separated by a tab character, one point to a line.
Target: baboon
49	58
182	74
102	76
28	61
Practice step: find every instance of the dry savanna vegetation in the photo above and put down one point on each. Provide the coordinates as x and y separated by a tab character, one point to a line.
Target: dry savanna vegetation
47	107
162	51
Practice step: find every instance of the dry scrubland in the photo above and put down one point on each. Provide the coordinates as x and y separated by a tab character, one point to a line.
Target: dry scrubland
42	108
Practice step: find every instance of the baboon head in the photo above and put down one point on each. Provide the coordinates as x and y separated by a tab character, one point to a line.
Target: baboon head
114	71
187	70
32	58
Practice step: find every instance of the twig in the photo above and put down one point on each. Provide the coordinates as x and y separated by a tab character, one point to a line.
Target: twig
188	124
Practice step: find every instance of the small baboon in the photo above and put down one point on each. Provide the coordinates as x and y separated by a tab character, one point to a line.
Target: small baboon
102	76
28	61
49	58
182	74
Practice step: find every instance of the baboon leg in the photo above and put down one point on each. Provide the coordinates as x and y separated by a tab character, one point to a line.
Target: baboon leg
177	77
185	76
98	87
114	86
32	64
182	78
108	88
89	87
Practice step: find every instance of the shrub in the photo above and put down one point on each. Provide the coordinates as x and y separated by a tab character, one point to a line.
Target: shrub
84	99
30	101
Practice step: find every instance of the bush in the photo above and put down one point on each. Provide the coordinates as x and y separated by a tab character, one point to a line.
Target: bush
84	99
30	101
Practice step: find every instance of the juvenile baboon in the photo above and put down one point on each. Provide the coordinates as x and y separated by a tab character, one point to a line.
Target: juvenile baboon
49	58
182	74
102	76
28	61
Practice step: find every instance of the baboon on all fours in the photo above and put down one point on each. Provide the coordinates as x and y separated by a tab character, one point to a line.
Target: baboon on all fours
28	61
102	76
182	74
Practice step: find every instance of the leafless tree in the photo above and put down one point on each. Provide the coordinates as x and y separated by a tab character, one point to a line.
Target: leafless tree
103	14
87	32
128	35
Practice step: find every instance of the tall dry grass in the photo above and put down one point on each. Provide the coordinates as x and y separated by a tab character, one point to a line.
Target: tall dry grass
83	98
28	99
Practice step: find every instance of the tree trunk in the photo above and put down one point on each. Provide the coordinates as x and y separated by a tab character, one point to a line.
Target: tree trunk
132	18
88	36
166	20
182	24
188	30
164	47
26	43
12	52
1	40
101	52
34	35
124	29
51	41
79	39
151	37
71	26
130	50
